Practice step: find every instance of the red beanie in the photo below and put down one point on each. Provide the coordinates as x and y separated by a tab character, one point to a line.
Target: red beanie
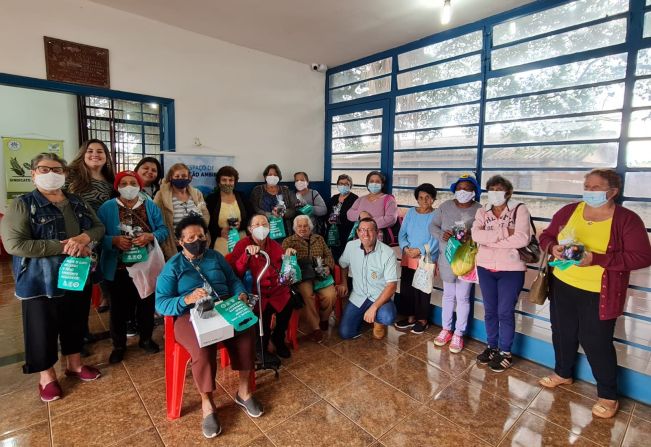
120	175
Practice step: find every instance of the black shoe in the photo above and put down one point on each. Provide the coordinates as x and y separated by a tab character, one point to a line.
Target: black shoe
149	346
282	350
487	355
404	324
132	329
270	360
419	328
90	338
117	355
500	362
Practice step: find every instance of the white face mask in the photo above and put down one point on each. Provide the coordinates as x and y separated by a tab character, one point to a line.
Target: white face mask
463	196
129	192
496	198
272	180
50	181
300	185
260	233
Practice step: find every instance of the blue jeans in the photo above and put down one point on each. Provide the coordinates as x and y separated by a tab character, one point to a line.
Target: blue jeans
500	291
352	318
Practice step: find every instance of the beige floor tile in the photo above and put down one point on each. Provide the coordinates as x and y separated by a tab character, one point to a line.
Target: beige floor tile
638	433
20	409
145	368
642	411
405	340
512	385
12	379
326	373
37	435
146	438
533	431
366	352
442	358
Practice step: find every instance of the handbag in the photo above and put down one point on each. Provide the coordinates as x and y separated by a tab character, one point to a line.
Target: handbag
531	253
539	290
424	274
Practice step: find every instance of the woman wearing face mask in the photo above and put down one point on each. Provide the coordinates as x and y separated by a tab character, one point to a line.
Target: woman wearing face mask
499	229
272	199
151	172
337	211
275	296
382	207
228	209
456	213
130	222
587	298
177	199
307	196
39	230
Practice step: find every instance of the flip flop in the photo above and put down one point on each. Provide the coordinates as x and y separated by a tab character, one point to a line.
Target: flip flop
604	411
553	381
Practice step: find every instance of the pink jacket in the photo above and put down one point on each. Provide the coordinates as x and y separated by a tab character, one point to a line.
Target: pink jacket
498	250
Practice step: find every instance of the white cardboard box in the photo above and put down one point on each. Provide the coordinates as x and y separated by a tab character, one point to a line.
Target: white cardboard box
210	330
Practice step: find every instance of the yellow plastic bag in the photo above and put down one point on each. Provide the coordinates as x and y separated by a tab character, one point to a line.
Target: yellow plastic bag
464	259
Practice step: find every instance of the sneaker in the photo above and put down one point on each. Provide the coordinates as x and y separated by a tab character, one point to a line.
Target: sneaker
456	345
51	391
117	355
87	373
252	407
404	324
419	328
443	338
379	331
132	329
149	346
500	362
210	426
487	355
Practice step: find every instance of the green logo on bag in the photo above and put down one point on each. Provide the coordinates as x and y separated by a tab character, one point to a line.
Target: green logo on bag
73	273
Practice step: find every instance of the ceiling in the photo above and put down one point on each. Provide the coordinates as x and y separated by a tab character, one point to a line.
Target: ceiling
329	32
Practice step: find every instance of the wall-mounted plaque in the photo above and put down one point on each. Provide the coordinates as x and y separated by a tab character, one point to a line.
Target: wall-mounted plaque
76	63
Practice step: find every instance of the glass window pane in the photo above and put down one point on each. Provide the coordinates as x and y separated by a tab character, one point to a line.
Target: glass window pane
596	155
452	158
441	72
591	127
406	197
638	154
642	209
640	124
377	68
359	177
643	66
554	182
637	184
647	25
359	127
590	71
357	144
439	97
610	33
446	137
642	93
591	99
357	115
442	50
540	206
440	179
360	90
449	116
358	160
573	13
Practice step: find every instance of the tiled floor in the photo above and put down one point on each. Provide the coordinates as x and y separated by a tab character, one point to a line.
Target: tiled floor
399	392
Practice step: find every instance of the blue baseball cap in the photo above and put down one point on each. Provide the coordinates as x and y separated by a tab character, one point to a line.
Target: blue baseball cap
470	179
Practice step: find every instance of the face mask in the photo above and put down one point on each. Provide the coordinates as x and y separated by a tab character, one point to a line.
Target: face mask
463	196
496	198
343	189
595	199
50	181
180	182
129	192
374	188
196	248
300	185
226	188
260	233
272	180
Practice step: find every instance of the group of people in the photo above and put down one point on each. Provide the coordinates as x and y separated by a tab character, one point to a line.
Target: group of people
211	247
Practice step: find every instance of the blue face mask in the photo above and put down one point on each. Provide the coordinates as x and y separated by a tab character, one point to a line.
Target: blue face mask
595	199
374	188
343	189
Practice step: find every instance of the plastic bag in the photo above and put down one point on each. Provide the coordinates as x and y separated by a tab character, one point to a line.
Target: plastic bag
145	274
276	228
464	259
451	249
290	272
573	250
424	274
233	238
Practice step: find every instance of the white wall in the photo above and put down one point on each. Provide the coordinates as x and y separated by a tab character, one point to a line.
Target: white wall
258	107
37	114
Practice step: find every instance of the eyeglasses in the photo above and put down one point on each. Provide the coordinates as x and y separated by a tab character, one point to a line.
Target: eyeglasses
47	169
366	230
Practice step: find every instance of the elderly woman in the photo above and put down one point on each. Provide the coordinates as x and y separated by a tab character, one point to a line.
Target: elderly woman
228	209
39	230
131	224
274	295
499	229
310	247
151	172
381	207
273	200
414	234
337	210
308	196
179	286
587	298
177	199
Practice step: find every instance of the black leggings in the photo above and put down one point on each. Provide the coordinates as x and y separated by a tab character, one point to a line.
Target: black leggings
124	296
413	302
282	321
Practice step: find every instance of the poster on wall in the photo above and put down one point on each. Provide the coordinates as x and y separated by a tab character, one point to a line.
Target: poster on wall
18	154
202	167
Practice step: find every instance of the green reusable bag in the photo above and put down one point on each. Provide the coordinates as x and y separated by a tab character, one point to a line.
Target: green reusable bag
290	271
451	249
323	283
134	254
276	228
236	313
233	238
306	209
332	238
353	232
73	273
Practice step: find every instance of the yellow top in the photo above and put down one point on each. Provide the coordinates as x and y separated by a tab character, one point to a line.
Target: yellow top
595	237
226	211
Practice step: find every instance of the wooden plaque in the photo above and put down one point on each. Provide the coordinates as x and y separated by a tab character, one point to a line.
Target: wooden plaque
76	63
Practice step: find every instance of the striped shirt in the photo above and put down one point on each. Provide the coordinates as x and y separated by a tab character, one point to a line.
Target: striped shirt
182	209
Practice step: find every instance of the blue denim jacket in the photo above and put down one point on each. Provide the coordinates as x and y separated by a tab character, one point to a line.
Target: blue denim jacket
38	276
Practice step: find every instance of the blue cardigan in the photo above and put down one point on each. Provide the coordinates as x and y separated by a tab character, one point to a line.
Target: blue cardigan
108	214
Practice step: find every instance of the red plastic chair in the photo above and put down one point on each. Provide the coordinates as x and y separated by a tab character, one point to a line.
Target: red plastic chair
292	330
176	364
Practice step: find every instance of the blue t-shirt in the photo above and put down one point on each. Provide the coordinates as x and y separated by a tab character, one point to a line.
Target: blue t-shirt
414	233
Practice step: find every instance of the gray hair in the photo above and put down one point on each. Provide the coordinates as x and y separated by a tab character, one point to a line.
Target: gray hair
300	217
47	156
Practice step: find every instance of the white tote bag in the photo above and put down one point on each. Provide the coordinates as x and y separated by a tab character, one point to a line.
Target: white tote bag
424	274
145	274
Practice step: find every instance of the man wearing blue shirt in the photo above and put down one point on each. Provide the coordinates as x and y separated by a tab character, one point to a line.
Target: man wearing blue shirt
373	267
